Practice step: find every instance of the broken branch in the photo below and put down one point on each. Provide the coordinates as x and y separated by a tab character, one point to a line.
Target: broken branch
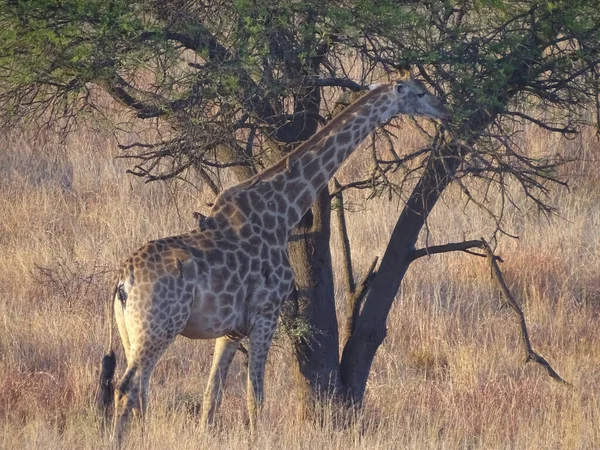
531	355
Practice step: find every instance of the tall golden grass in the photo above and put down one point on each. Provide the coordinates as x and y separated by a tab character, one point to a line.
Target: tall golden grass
450	374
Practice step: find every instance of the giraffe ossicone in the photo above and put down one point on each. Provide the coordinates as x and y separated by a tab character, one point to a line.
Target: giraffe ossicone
227	278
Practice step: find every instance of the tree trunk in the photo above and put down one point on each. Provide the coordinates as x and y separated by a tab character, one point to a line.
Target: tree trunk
370	329
317	351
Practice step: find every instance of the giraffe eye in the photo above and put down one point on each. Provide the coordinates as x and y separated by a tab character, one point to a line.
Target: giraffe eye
422	94
399	88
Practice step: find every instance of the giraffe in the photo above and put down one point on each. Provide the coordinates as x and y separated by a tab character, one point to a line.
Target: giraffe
227	278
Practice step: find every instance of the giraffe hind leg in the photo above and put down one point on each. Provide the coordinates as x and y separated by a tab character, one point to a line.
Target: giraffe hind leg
131	396
224	352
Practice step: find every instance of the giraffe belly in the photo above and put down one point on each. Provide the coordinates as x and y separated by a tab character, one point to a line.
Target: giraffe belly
212	316
197	331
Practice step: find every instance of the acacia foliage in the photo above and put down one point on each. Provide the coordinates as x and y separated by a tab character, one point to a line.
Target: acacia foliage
232	78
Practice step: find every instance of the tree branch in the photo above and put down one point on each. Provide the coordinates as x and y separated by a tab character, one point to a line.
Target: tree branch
539	123
453	247
337	82
355	301
531	355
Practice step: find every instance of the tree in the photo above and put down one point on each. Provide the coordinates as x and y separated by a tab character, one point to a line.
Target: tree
236	84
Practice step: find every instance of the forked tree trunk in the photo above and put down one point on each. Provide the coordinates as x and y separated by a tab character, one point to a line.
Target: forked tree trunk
322	374
370	327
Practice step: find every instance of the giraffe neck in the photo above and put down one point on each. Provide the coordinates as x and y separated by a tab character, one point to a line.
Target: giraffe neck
286	190
309	168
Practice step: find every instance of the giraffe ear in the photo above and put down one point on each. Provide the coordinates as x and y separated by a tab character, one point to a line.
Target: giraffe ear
404	72
401	74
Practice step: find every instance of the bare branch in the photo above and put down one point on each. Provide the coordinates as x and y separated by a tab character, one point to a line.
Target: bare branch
452	247
337	82
530	354
539	123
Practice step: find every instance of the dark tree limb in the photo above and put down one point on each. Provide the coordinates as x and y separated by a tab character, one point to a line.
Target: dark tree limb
355	301
531	354
349	284
338	82
453	247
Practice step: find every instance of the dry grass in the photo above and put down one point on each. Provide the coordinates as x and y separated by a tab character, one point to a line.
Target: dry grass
449	375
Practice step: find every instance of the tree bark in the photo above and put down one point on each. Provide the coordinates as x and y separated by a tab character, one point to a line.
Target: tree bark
317	352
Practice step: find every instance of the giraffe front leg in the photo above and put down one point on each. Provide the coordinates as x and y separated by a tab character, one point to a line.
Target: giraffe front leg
224	352
260	341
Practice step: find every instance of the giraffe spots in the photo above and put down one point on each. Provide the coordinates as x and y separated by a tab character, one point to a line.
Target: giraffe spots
305	199
219	279
276	257
238	219
266	191
295	188
170	284
248	248
278	183
319	180
228	209
269	236
255	219
379	102
205	243
244	263
253	198
229	234
256	229
329	165
264	253
269	221
202	267
209	303
229	244
313	166
225	311
288	275
226	300
214	257
255	241
235	282
142	276
245	231
280	203
344	138
294	171
231	261
254	265
292	214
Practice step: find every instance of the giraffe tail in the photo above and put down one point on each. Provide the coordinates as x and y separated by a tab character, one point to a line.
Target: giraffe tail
107	373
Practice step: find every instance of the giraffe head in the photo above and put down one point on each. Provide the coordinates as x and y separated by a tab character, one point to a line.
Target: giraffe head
412	98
